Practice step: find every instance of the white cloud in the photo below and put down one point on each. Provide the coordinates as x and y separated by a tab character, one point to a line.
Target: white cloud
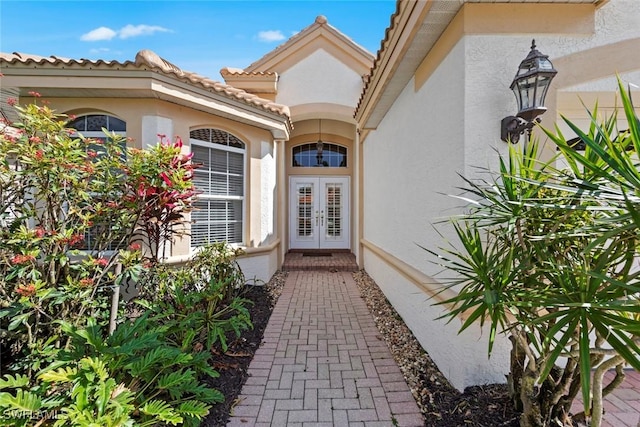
106	33
271	36
102	33
140	30
100	50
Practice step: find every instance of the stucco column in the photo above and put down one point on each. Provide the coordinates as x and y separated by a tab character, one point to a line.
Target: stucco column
152	126
358	198
281	200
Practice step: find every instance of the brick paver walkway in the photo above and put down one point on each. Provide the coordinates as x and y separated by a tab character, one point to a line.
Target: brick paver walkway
322	362
320	261
622	406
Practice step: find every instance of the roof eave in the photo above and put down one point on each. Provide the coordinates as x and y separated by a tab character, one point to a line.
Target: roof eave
391	63
209	101
318	28
407	41
131	81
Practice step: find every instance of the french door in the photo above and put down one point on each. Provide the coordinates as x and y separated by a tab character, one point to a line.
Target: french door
319	212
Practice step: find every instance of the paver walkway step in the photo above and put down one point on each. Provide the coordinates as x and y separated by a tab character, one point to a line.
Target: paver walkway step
320	261
323	363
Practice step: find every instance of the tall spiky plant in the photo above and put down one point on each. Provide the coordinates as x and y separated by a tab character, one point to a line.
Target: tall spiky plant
545	256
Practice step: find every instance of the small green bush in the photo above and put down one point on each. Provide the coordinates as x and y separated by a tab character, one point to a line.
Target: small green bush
62	366
202	298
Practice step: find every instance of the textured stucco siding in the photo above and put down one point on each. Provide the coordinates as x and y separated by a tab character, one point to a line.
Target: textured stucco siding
267	193
258	269
411	162
451	125
462	358
319	78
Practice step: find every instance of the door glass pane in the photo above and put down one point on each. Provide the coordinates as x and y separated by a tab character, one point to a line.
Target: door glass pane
305	210
333	213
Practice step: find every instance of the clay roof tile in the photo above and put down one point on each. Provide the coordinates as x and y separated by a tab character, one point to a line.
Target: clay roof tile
149	59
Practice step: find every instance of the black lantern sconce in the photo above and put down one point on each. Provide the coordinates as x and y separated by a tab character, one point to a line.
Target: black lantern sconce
319	144
530	86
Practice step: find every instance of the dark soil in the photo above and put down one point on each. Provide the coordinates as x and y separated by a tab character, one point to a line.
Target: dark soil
233	364
441	404
478	406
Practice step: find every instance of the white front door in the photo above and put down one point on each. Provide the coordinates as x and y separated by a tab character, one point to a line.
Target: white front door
319	212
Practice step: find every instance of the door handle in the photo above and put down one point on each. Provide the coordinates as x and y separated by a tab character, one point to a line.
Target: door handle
322	218
316	218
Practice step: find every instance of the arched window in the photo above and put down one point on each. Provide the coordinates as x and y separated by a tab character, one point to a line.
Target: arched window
218	214
90	126
319	155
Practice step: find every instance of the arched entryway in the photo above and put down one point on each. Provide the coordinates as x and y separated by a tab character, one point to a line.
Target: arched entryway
319	183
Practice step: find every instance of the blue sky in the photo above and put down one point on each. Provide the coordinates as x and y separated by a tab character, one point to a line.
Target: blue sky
200	36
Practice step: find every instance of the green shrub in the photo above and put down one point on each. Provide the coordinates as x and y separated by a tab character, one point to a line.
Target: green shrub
132	377
55	287
547	256
202	298
57	189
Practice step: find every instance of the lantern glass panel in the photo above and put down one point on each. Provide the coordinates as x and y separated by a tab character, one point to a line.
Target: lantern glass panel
543	86
545	65
527	92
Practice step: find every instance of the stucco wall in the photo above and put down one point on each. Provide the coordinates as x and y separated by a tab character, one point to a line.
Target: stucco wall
267	191
463	358
258	269
147	118
451	124
580	59
411	162
319	78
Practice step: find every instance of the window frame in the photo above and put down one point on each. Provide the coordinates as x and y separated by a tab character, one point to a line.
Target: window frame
325	145
212	197
99	135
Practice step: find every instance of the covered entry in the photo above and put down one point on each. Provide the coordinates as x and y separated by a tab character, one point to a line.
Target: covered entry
319	212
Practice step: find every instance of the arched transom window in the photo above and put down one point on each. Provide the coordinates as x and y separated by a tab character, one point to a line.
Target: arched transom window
91	125
319	154
218	214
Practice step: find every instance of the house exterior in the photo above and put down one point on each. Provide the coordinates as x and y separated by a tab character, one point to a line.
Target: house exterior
431	110
321	145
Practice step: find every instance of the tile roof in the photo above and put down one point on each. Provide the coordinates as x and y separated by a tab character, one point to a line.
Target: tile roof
229	71
147	59
319	23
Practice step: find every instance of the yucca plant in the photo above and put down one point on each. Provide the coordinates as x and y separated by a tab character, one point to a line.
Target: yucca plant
545	256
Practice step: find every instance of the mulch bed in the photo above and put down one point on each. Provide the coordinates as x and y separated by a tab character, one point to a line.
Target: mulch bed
233	364
441	404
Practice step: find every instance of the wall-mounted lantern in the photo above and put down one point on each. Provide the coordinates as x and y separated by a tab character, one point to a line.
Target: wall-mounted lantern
530	86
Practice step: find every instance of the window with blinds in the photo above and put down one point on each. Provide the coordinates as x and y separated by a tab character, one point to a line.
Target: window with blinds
90	126
218	211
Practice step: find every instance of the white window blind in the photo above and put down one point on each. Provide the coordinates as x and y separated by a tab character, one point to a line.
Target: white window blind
218	213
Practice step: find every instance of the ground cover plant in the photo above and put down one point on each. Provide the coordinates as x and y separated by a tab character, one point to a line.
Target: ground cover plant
79	218
546	256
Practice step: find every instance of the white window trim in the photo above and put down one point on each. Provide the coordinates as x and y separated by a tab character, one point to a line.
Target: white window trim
243	152
324	167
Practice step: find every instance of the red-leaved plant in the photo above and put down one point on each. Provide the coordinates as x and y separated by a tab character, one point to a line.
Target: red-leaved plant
71	209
